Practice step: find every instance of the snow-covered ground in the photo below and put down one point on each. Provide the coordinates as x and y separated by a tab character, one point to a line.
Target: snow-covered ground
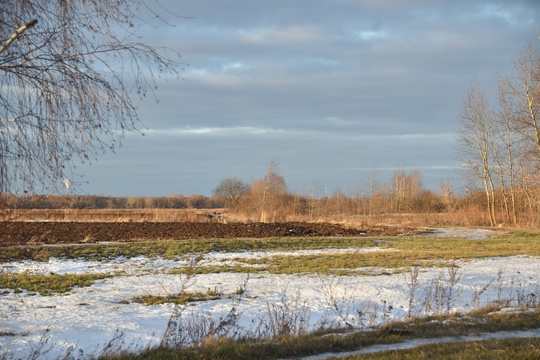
88	321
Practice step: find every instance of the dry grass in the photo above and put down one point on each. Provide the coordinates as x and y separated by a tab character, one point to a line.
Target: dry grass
471	217
113	215
465	219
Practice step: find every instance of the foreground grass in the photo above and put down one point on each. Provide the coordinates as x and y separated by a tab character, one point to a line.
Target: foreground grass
480	321
402	252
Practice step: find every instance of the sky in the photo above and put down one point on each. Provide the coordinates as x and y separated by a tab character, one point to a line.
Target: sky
334	92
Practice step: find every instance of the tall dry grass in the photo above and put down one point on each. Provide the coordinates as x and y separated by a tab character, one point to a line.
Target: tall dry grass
113	215
471	217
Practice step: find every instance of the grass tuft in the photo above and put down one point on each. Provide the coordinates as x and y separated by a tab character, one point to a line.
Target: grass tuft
336	341
48	285
181	298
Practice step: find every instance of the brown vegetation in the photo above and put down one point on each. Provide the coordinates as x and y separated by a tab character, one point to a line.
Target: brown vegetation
409	206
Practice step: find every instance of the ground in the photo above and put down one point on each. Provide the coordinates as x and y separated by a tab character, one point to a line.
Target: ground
22	232
105	316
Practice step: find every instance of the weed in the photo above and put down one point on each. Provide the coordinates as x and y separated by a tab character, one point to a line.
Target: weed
343	304
242	288
442	292
289	316
412	287
196	328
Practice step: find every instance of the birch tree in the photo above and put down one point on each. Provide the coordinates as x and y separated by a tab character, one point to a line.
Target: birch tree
70	72
522	89
270	191
475	144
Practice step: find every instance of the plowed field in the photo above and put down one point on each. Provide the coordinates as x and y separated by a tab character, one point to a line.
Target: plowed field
18	233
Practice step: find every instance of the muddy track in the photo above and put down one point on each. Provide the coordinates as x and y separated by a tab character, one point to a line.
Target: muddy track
18	233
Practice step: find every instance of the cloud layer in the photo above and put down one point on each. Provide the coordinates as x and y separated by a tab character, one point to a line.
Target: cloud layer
329	89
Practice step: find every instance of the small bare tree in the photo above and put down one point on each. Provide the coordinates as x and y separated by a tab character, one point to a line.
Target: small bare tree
269	193
231	190
69	74
312	198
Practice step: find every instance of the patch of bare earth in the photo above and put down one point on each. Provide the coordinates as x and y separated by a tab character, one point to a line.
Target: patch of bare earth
21	232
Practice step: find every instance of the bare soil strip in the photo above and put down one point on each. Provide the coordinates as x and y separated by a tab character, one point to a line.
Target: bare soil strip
22	232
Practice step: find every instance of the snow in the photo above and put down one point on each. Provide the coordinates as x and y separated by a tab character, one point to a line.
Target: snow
91	320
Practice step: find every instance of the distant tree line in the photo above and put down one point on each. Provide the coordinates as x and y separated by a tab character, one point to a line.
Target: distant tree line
268	199
111	202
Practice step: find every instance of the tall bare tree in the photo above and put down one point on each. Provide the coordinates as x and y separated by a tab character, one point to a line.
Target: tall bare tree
70	72
507	150
475	144
524	86
522	90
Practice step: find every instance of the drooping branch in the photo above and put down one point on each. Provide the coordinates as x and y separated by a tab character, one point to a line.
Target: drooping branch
68	86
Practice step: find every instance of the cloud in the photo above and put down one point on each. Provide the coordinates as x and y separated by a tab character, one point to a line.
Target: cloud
212	131
280	36
326	88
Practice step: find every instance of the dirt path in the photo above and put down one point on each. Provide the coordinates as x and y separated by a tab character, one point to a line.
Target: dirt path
411	344
467	233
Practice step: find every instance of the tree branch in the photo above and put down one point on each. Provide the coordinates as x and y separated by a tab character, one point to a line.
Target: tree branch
18	33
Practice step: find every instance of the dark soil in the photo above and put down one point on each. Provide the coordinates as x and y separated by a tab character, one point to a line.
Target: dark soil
19	233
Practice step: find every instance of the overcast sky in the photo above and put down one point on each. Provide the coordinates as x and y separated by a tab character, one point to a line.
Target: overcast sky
330	90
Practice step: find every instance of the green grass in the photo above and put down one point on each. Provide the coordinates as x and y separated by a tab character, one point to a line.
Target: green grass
401	252
416	248
48	284
413	251
172	249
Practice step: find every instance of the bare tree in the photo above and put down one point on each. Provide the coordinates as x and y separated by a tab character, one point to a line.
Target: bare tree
524	87
507	150
270	192
70	72
475	144
522	95
231	190
312	196
406	189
